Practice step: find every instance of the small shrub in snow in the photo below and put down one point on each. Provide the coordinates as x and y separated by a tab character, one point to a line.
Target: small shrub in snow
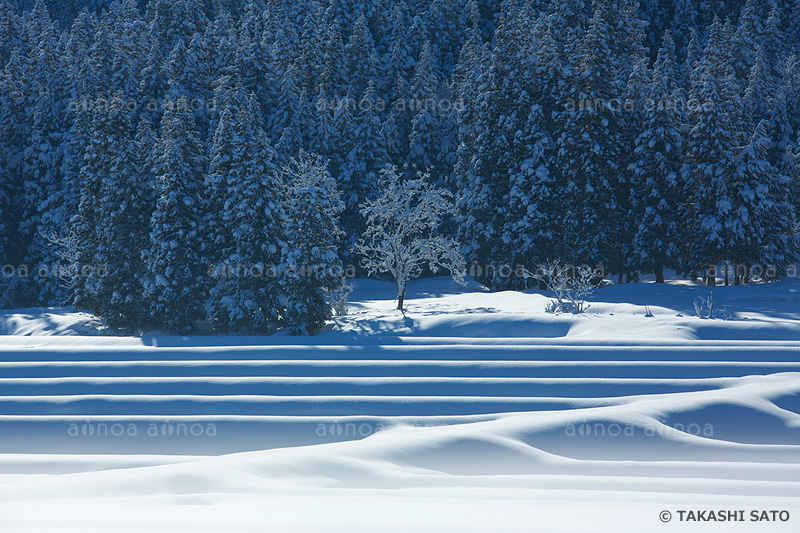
708	309
339	297
571	286
68	269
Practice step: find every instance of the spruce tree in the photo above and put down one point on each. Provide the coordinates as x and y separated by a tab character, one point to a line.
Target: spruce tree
311	264
656	188
589	144
761	222
174	284
713	139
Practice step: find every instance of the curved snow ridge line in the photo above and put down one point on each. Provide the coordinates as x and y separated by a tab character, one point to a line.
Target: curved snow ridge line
383	422
357	386
405	460
394	353
344	340
394	369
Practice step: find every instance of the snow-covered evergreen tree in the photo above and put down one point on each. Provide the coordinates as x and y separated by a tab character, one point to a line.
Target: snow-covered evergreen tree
656	185
174	284
713	140
359	171
245	223
424	152
589	149
362	62
760	222
311	265
112	287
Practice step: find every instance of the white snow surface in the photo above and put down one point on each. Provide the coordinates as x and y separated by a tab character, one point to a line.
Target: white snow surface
471	411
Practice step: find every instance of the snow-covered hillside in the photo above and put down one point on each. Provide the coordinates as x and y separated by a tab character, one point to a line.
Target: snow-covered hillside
473	411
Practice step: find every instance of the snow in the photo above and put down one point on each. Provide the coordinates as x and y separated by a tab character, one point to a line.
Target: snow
471	411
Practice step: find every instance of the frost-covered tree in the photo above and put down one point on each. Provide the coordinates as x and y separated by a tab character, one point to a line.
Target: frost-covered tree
402	231
311	265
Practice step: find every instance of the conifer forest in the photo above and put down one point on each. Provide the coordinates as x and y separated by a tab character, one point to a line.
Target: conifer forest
171	162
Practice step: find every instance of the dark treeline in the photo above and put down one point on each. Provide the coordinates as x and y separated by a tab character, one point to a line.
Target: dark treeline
154	140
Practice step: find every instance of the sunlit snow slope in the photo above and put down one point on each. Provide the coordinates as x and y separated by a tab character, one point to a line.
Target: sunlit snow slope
471	412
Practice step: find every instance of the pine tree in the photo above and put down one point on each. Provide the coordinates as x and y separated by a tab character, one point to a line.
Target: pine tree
747	39
220	47
5	215
589	145
128	36
760	91
683	24
245	222
760	222
9	31
334	78
224	164
716	127
174	276
362	63
534	212
656	170
255	211
424	149
365	156
43	185
310	261
112	288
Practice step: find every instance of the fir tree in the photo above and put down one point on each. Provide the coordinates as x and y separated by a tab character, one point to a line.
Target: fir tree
715	134
174	276
589	145
112	289
311	264
656	170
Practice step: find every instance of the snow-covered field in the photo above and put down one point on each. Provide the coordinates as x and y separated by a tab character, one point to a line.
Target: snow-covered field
470	412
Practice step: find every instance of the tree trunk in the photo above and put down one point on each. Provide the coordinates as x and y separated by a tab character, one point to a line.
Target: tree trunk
659	272
726	273
401	296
